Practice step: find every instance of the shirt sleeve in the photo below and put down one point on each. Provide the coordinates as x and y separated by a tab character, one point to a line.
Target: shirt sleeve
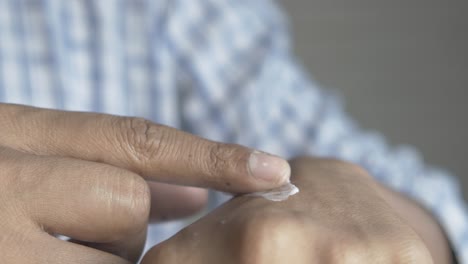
240	83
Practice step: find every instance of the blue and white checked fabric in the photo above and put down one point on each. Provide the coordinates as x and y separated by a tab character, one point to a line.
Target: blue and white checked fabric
218	68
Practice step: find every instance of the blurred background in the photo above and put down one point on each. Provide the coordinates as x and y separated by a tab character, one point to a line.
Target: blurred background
401	65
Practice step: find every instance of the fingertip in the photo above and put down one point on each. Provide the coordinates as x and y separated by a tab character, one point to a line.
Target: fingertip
270	170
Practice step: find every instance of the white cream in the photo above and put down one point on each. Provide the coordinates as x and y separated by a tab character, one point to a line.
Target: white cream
279	194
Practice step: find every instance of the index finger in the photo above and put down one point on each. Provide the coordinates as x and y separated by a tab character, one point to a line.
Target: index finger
154	151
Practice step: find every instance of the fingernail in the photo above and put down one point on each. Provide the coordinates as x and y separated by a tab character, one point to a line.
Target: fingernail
268	167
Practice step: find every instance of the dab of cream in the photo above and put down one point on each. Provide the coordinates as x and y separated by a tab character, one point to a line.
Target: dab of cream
279	194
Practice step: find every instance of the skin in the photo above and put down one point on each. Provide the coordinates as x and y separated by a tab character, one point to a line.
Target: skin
341	215
85	176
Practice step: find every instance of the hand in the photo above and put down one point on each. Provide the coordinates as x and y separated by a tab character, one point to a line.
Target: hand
80	175
338	216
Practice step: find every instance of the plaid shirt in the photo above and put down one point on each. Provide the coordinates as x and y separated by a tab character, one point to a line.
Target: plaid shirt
217	68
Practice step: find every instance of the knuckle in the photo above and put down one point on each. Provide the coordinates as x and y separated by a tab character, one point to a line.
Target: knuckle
130	202
140	193
348	249
266	234
218	159
266	220
223	158
141	139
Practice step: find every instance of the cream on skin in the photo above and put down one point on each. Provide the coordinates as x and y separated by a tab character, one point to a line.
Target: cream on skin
278	194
